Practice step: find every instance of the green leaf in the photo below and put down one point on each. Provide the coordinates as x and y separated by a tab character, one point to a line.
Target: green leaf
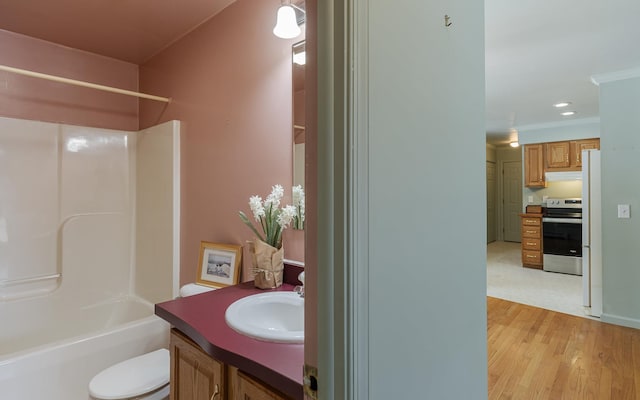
244	219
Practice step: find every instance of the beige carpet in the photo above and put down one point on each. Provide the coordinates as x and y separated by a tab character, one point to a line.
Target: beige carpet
508	280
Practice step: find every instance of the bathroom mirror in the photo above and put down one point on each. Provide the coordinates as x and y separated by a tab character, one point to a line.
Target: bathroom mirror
298	56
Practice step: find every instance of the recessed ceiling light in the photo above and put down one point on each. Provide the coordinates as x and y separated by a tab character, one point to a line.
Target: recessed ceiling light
562	104
568	113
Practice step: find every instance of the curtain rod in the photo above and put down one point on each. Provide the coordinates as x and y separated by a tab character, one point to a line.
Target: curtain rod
82	83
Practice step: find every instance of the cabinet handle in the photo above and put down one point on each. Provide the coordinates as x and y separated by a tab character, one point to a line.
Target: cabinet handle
216	392
531	231
530	244
530	256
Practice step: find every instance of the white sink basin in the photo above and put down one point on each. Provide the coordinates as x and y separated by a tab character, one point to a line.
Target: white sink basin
272	317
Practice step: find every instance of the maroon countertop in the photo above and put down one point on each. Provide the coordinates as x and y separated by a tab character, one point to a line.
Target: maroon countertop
201	318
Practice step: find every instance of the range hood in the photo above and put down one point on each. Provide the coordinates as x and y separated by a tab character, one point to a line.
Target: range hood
563	176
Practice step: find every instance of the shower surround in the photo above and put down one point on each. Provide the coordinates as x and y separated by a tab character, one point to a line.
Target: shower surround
88	242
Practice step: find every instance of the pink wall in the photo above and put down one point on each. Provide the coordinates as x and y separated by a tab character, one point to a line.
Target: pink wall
230	84
36	99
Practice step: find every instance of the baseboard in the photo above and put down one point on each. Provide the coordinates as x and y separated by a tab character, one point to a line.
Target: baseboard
618	320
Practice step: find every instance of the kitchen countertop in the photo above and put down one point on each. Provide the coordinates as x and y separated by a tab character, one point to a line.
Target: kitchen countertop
201	318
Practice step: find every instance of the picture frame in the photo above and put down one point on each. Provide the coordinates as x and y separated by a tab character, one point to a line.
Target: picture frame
219	264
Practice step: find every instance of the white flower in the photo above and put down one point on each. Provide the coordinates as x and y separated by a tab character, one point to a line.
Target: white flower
298	202
286	216
255	202
272	219
298	196
273	200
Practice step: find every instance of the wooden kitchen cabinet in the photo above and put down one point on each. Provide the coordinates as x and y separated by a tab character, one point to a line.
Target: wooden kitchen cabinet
567	155
195	375
579	145
558	155
531	245
534	165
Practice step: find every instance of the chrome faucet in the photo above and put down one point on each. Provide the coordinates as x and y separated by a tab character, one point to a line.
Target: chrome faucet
300	289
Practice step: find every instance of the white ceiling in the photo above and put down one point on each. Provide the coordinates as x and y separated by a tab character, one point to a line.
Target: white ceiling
538	52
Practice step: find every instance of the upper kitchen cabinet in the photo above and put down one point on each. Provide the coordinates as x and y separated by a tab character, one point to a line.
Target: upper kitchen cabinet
567	155
534	165
579	145
558	155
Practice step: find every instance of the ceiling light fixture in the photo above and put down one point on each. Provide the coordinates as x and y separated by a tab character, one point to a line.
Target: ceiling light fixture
562	104
514	144
286	23
568	113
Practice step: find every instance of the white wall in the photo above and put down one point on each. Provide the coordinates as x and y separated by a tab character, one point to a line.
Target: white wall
620	146
426	198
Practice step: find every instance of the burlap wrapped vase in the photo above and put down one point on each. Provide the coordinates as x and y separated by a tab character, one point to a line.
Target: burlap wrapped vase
268	264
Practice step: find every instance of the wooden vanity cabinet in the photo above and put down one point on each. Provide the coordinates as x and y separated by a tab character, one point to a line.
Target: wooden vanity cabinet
534	165
195	375
531	245
248	388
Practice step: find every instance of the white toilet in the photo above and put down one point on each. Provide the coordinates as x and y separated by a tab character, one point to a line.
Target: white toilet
145	377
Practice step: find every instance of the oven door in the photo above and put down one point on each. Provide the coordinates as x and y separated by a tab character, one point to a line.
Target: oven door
562	245
562	236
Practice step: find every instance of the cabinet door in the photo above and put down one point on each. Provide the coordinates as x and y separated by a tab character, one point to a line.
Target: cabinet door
579	145
194	374
250	389
533	165
557	154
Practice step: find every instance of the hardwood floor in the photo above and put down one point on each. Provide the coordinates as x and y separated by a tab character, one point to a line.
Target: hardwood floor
540	354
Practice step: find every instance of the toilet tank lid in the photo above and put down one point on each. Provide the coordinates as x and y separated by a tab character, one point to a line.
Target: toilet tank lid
191	289
132	377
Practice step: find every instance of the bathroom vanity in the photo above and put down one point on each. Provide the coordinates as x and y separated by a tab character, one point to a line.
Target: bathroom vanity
209	360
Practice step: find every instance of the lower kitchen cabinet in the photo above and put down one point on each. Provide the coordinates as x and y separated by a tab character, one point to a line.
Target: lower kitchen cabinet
531	244
195	375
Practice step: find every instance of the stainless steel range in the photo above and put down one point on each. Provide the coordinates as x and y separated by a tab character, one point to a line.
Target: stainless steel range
562	236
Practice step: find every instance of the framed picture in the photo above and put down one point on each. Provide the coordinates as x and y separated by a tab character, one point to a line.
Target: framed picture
219	264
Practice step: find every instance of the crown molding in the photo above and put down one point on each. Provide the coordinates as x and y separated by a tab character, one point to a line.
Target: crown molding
558	124
615	76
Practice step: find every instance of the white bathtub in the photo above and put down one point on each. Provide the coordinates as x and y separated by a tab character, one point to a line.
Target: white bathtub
55	355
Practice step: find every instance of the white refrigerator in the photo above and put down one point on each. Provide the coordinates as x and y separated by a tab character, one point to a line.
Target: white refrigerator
591	232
